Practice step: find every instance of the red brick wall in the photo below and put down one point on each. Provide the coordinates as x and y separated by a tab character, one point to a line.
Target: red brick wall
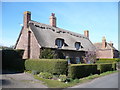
35	47
23	44
106	53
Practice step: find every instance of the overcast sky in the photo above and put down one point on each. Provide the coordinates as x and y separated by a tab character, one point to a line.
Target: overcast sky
100	18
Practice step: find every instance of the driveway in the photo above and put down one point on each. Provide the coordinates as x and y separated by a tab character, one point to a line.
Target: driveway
109	81
20	80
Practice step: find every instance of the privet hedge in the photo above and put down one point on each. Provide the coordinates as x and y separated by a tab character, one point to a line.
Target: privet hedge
108	60
105	67
12	60
81	70
114	65
53	66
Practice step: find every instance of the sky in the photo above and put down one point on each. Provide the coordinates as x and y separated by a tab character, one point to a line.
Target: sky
100	18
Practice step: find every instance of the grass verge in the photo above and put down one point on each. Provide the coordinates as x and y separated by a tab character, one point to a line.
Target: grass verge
57	84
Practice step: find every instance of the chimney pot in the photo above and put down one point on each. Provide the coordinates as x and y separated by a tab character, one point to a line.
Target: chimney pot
103	42
27	18
86	33
53	20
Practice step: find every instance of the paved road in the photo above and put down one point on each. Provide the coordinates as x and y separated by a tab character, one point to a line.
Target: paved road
109	81
20	80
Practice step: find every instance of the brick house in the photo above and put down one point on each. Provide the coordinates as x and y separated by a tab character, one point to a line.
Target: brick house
35	36
106	50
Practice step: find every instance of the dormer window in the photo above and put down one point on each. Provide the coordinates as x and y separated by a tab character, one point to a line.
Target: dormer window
59	42
77	45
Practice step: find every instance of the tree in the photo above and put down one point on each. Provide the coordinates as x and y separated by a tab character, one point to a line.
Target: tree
59	55
47	54
90	57
51	54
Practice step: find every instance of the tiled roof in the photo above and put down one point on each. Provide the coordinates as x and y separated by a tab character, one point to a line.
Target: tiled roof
99	46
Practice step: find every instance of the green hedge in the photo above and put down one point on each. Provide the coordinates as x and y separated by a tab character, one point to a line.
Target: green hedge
54	66
105	67
12	60
108	60
114	65
81	70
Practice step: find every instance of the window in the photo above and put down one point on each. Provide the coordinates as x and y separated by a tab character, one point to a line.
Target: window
59	42
77	60
77	45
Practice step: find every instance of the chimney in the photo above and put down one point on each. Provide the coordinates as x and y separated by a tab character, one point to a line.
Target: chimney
27	18
53	20
111	44
86	33
103	42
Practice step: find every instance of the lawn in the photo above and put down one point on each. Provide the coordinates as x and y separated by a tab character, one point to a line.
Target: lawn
57	84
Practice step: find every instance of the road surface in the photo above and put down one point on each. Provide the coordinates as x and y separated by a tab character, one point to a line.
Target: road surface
20	80
109	81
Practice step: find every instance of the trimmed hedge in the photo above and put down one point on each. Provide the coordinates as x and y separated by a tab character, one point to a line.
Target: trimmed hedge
108	60
12	60
105	67
81	70
114	65
53	66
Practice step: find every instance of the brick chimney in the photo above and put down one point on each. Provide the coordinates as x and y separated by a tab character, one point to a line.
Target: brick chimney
103	42
86	33
53	20
27	18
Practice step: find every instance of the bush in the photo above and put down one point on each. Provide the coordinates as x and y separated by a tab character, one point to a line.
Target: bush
62	78
34	72
45	75
118	60
53	66
12	60
81	70
108	60
47	54
105	67
114	65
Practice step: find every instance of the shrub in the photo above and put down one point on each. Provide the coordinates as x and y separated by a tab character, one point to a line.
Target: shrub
114	65
47	54
105	67
53	66
76	80
45	75
12	60
62	78
34	72
118	60
108	60
51	54
81	70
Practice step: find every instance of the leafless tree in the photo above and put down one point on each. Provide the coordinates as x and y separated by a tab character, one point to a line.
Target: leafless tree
90	57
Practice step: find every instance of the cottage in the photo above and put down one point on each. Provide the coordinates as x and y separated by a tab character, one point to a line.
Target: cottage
106	50
35	36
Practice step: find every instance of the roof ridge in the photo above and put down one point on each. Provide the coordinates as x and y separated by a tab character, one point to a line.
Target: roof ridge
64	30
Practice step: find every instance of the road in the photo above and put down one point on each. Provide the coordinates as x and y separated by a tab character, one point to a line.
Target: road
25	80
109	81
20	80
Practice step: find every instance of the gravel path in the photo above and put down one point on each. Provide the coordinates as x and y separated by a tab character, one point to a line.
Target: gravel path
20	80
